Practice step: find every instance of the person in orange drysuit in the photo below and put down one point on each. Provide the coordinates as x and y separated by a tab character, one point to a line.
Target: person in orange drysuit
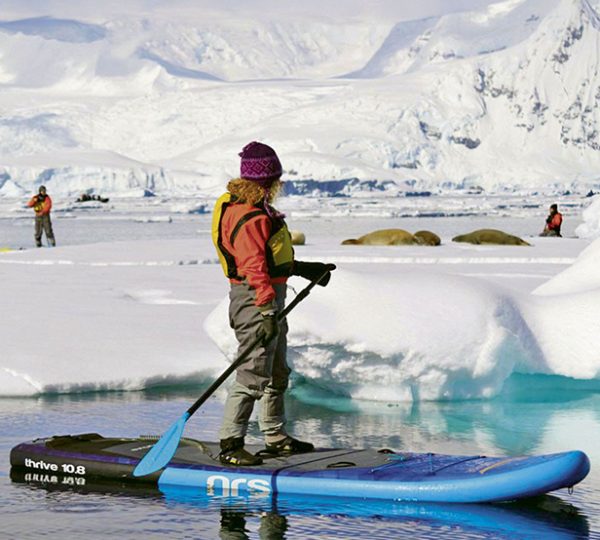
553	222
42	204
255	250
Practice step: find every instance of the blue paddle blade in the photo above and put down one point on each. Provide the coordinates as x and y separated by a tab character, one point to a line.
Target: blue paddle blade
162	452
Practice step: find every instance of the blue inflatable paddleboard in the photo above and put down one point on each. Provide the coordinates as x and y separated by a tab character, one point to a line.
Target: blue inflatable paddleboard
330	472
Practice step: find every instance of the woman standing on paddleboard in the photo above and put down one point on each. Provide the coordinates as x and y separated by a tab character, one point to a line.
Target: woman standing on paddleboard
255	250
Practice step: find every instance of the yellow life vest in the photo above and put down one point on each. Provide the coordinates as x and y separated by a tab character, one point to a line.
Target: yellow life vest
279	249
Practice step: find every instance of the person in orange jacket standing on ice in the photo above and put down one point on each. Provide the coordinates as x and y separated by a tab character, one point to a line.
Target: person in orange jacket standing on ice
553	222
256	253
42	204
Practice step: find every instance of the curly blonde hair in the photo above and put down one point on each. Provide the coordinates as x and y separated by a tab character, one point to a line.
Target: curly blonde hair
250	192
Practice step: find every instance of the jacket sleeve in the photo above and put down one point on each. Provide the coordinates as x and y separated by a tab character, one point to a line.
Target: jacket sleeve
32	201
251	258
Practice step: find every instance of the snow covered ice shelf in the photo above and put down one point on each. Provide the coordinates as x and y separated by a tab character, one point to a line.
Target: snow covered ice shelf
395	323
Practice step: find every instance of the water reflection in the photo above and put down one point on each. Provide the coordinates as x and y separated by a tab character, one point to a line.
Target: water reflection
288	516
234	527
531	414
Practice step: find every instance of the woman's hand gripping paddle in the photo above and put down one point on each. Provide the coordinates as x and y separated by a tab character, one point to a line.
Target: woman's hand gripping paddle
162	452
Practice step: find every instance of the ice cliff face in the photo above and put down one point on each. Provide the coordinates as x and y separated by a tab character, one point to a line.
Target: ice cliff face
549	89
506	97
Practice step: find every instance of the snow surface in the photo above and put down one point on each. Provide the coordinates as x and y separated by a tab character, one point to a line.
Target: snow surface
161	96
395	324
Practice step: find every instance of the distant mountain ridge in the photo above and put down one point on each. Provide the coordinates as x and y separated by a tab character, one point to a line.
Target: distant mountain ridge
502	98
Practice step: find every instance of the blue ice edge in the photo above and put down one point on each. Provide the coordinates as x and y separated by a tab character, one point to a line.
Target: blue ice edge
504	480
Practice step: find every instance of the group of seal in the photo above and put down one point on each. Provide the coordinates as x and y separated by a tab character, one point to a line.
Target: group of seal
400	237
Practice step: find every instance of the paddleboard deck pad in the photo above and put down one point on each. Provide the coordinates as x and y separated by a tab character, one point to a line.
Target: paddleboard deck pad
365	473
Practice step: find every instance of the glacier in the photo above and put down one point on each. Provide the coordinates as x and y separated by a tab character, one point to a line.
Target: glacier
503	96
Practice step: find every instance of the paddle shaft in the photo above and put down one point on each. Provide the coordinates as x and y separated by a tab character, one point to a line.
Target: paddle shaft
248	350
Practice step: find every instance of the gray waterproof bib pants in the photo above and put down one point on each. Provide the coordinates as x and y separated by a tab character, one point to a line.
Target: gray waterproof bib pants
43	223
264	375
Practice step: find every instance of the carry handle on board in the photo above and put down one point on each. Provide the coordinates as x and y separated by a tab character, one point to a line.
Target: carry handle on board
162	452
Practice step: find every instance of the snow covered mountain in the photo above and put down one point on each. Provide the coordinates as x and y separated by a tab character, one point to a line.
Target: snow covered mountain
503	97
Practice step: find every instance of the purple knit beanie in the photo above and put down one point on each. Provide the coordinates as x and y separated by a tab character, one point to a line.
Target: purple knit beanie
259	164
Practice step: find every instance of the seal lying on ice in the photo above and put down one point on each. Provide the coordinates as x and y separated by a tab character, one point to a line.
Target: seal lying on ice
383	237
427	238
298	238
490	236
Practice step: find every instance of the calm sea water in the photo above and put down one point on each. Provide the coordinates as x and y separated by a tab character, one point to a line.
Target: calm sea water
519	422
534	415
